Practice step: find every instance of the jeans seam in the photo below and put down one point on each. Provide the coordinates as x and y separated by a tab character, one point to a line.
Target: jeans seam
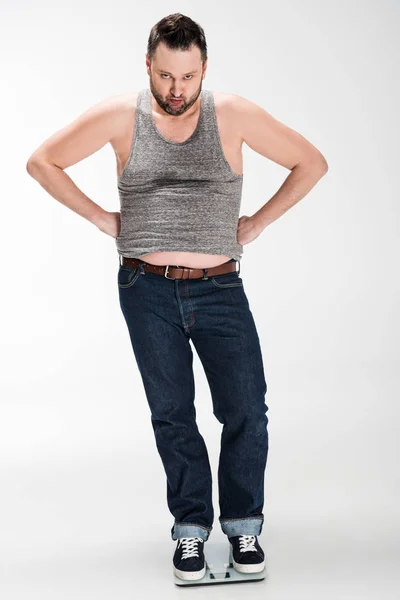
130	284
239	519
219	285
196	524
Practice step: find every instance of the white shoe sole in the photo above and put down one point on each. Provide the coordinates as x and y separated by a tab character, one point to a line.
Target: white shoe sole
257	568
190	575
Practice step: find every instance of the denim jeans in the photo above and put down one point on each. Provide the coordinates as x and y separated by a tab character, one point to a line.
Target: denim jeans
162	316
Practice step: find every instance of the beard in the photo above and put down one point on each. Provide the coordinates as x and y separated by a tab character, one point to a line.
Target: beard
170	108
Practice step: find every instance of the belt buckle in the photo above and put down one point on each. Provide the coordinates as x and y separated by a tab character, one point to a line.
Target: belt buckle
238	271
166	272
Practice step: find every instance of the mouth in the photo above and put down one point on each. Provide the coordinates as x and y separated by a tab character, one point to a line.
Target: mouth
175	102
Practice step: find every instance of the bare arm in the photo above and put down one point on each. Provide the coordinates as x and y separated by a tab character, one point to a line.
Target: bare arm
281	144
85	135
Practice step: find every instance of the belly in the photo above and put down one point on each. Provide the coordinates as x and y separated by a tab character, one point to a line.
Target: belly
195	260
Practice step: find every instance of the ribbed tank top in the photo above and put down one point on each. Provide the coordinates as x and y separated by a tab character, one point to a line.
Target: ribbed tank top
178	196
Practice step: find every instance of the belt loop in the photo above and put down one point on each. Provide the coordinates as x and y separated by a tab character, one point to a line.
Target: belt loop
205	271
120	259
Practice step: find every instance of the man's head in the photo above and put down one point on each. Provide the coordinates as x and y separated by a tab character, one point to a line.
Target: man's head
176	62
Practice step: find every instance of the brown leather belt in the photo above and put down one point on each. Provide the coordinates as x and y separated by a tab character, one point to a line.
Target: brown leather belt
178	272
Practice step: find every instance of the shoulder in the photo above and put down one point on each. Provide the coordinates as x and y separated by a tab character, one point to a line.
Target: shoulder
222	100
235	111
225	105
235	104
122	103
265	134
248	117
235	107
121	108
118	104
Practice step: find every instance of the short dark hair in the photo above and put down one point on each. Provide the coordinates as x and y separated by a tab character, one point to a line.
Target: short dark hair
178	32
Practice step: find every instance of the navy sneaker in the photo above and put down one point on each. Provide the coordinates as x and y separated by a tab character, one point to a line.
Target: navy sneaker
246	554
189	561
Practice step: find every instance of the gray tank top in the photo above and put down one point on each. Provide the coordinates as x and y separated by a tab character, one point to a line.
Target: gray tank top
178	196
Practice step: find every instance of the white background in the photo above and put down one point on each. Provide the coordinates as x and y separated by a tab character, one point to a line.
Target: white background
83	490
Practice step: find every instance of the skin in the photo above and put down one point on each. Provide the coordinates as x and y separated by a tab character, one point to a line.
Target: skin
178	74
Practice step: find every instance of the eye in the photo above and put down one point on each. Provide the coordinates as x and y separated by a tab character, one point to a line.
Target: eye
165	75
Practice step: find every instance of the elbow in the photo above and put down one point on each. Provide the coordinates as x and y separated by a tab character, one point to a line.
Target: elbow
320	163
33	164
314	162
323	165
29	166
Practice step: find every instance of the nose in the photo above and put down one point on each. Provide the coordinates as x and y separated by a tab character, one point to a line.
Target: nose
176	93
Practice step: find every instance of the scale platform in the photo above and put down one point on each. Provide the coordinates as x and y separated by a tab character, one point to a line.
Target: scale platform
219	568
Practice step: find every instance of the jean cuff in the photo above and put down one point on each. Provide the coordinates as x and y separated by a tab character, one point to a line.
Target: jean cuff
242	526
179	530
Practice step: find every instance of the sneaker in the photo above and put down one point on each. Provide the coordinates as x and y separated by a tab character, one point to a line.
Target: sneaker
247	554
189	561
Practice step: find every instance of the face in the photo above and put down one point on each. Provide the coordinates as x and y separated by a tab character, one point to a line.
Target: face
176	74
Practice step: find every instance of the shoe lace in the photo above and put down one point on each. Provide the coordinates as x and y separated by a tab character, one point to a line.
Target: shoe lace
246	543
190	546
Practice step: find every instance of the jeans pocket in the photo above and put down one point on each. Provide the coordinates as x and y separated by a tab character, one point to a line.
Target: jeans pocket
227	280
127	276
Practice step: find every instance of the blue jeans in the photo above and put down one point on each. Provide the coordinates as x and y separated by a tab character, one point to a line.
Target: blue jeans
162	316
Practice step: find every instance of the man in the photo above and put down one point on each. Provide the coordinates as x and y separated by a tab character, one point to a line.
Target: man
179	237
